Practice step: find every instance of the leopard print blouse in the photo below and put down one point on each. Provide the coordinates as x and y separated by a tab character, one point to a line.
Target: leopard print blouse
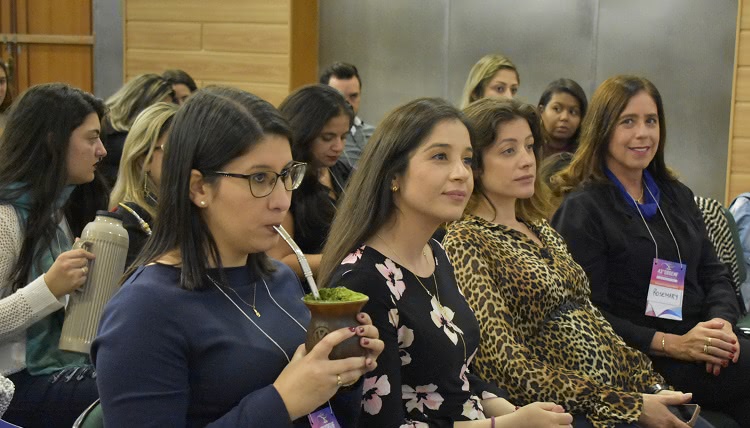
542	338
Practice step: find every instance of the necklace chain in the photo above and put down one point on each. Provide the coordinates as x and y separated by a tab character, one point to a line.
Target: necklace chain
640	198
436	296
221	289
255	289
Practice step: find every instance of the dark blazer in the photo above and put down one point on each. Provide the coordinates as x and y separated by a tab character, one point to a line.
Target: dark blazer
607	237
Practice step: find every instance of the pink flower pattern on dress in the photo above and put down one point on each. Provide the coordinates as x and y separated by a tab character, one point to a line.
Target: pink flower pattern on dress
421	397
353	257
414	424
473	408
442	316
405	339
394	278
372	389
464	370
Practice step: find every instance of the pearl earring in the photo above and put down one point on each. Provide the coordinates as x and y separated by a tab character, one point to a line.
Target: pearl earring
203	203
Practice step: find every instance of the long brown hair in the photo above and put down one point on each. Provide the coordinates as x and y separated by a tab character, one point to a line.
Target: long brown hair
487	116
368	202
607	104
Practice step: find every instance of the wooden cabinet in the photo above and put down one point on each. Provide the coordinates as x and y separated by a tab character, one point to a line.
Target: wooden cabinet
47	41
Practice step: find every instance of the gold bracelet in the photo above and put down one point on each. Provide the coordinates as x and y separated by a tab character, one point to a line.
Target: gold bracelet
663	345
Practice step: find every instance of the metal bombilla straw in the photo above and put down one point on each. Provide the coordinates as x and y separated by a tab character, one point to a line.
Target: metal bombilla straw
302	260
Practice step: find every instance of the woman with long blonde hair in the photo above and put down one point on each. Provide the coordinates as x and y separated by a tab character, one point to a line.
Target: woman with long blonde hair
123	107
136	192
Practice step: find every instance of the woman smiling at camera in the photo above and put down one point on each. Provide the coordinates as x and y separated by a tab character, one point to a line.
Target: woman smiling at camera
630	223
531	298
415	174
206	330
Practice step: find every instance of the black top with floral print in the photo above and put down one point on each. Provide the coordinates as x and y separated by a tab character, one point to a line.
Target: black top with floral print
422	378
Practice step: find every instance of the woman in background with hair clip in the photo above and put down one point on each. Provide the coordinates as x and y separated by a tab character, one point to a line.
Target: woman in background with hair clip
320	119
136	192
206	329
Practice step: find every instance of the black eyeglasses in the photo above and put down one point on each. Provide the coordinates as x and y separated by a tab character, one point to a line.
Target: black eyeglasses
263	183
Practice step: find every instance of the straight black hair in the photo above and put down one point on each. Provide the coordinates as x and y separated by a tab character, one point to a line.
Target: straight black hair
37	135
213	127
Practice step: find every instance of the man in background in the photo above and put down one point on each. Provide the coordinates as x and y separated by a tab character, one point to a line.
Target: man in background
344	77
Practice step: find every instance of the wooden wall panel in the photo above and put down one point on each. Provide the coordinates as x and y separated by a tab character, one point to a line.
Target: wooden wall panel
163	35
740	183
744	48
261	11
262	68
256	38
304	61
43	19
267	47
742	85
45	60
738	155
744	18
741	128
740	161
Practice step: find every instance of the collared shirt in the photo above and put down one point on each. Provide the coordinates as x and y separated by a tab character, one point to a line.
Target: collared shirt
356	141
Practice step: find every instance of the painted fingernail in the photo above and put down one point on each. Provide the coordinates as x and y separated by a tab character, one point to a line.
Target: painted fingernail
361	329
352	329
725	363
731	356
361	316
365	341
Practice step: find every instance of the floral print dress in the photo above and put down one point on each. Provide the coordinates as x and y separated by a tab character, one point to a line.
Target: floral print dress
423	377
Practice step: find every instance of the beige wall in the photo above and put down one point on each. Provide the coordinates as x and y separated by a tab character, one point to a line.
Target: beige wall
266	47
738	159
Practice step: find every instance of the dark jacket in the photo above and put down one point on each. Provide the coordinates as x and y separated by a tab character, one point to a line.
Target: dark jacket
137	233
607	237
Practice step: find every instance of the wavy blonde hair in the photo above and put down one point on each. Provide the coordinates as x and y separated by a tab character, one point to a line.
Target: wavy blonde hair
133	97
481	73
133	181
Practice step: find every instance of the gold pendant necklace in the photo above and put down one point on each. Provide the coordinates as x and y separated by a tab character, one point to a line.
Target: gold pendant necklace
255	288
436	296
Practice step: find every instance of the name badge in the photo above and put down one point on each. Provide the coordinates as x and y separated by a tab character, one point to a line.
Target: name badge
665	290
323	418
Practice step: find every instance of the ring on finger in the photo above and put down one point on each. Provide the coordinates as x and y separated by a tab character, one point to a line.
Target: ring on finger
705	349
708	341
85	270
338	381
